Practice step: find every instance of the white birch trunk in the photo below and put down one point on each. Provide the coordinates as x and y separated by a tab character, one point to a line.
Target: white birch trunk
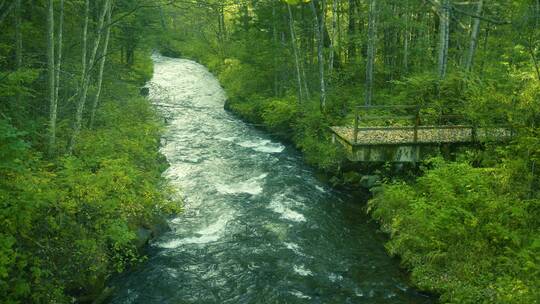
372	36
474	37
295	50
103	59
59	51
50	77
18	35
333	37
407	38
444	25
320	50
86	74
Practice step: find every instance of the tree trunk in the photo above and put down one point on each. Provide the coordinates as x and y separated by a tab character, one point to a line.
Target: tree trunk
50	77
18	35
537	10
407	37
86	78
352	31
372	36
320	50
444	28
295	50
474	37
275	46
59	51
103	59
333	37
6	12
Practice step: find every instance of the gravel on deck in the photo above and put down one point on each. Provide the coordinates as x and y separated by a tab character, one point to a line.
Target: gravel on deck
426	135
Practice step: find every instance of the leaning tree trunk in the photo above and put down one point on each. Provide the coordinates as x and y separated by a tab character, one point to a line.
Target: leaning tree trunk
474	37
50	77
372	36
295	50
86	78
103	59
444	28
320	50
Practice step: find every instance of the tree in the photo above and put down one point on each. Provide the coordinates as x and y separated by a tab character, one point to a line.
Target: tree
103	59
319	30
474	36
87	66
444	37
372	36
51	77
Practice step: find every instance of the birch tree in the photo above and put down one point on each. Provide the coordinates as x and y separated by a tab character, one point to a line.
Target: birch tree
333	36
102	61
83	90
319	31
51	77
444	35
58	65
18	34
372	36
295	51
474	36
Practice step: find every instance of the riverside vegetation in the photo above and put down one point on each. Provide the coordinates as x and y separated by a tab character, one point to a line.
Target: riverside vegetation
467	228
71	201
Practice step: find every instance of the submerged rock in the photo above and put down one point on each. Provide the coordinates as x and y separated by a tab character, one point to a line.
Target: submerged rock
370	181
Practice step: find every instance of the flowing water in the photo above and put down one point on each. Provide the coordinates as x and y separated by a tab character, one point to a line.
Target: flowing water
258	226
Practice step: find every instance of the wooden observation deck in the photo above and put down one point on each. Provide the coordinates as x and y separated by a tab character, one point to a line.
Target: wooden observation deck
409	143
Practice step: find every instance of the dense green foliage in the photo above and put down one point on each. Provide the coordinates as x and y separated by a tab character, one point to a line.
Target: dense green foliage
70	223
69	219
74	189
470	234
467	229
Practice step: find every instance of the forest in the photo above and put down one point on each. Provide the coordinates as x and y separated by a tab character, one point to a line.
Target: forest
81	170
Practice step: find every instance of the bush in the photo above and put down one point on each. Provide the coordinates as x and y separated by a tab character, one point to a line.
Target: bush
463	235
83	208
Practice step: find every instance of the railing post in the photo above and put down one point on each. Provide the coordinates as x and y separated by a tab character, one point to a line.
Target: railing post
356	124
416	123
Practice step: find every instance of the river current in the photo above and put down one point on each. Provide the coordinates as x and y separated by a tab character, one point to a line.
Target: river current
258	226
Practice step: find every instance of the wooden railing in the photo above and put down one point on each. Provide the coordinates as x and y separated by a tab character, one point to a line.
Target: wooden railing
415	115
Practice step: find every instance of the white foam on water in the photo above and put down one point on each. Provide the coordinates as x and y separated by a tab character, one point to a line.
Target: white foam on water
208	234
358	292
335	277
390	295
285	212
228	139
294	247
321	189
299	294
252	186
263	145
301	270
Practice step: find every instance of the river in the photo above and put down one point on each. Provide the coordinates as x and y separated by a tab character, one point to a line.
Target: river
258	226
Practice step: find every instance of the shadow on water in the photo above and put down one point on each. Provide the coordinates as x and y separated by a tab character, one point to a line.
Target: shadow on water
258	226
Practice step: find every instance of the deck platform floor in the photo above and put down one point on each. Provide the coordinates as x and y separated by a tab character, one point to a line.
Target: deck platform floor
425	135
